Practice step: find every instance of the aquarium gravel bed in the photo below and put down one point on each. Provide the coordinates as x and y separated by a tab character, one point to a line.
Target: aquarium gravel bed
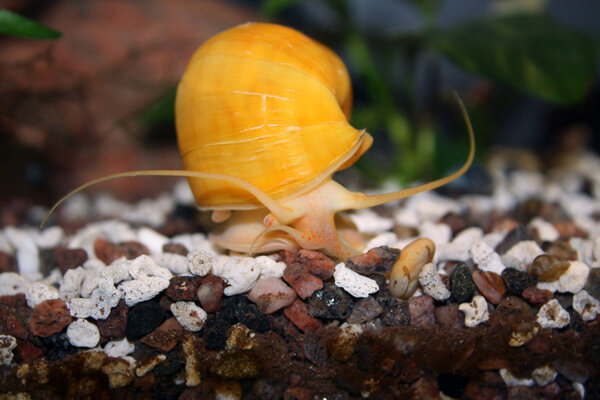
118	300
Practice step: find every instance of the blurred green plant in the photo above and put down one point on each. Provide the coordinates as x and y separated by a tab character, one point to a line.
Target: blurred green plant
516	44
17	25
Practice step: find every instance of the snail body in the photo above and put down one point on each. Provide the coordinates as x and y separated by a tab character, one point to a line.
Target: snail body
262	124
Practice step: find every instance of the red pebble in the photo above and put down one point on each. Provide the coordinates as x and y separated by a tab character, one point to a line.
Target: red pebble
303	282
109	252
421	311
183	288
165	337
113	327
379	260
210	293
49	317
536	296
317	263
298	393
27	351
449	317
490	285
69	258
297	312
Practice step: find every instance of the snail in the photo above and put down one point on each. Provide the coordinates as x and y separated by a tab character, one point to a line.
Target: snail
262	124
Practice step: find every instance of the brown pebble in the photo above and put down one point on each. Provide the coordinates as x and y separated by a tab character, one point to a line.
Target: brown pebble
297	312
114	326
536	296
511	311
132	250
298	393
567	229
286	256
449	317
69	258
49	317
109	252
365	310
28	351
271	294
562	250
175	248
210	293
316	263
8	263
183	288
548	268
490	285
12	322
303	282
421	311
379	260
165	337
106	251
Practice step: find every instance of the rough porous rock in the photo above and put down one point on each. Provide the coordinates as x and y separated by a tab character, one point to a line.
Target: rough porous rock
316	263
143	318
298	277
165	337
49	317
297	312
331	302
462	283
183	288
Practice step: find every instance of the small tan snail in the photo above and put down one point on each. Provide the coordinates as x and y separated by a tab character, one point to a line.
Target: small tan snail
262	124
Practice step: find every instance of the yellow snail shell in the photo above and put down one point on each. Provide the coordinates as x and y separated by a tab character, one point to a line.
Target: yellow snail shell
262	124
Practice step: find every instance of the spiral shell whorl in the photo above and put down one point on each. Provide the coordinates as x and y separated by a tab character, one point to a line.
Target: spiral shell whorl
269	105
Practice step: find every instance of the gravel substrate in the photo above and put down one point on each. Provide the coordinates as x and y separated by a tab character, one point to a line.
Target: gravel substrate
117	300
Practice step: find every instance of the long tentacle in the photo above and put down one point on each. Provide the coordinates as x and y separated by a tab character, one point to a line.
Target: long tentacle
275	207
361	200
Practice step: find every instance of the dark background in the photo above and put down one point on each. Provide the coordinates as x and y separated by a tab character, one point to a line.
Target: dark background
98	100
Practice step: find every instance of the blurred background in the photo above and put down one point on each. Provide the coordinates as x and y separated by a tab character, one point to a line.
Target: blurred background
87	87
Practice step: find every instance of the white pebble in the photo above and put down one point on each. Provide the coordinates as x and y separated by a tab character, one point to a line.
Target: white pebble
7	344
144	266
552	315
544	375
182	193
486	258
5	245
438	232
106	288
270	268
240	273
587	306
368	221
511	381
584	249
28	256
49	237
12	283
176	263
596	248
521	254
71	284
458	248
119	348
431	206
574	278
93	272
383	239
194	242
432	283
579	388
475	312
189	315
407	217
153	240
39	292
117	272
82	333
80	307
200	262
355	284
493	239
546	231
143	289
103	301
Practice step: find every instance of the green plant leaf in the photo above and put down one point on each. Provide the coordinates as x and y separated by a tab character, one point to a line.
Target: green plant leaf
160	111
16	25
271	8
530	52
